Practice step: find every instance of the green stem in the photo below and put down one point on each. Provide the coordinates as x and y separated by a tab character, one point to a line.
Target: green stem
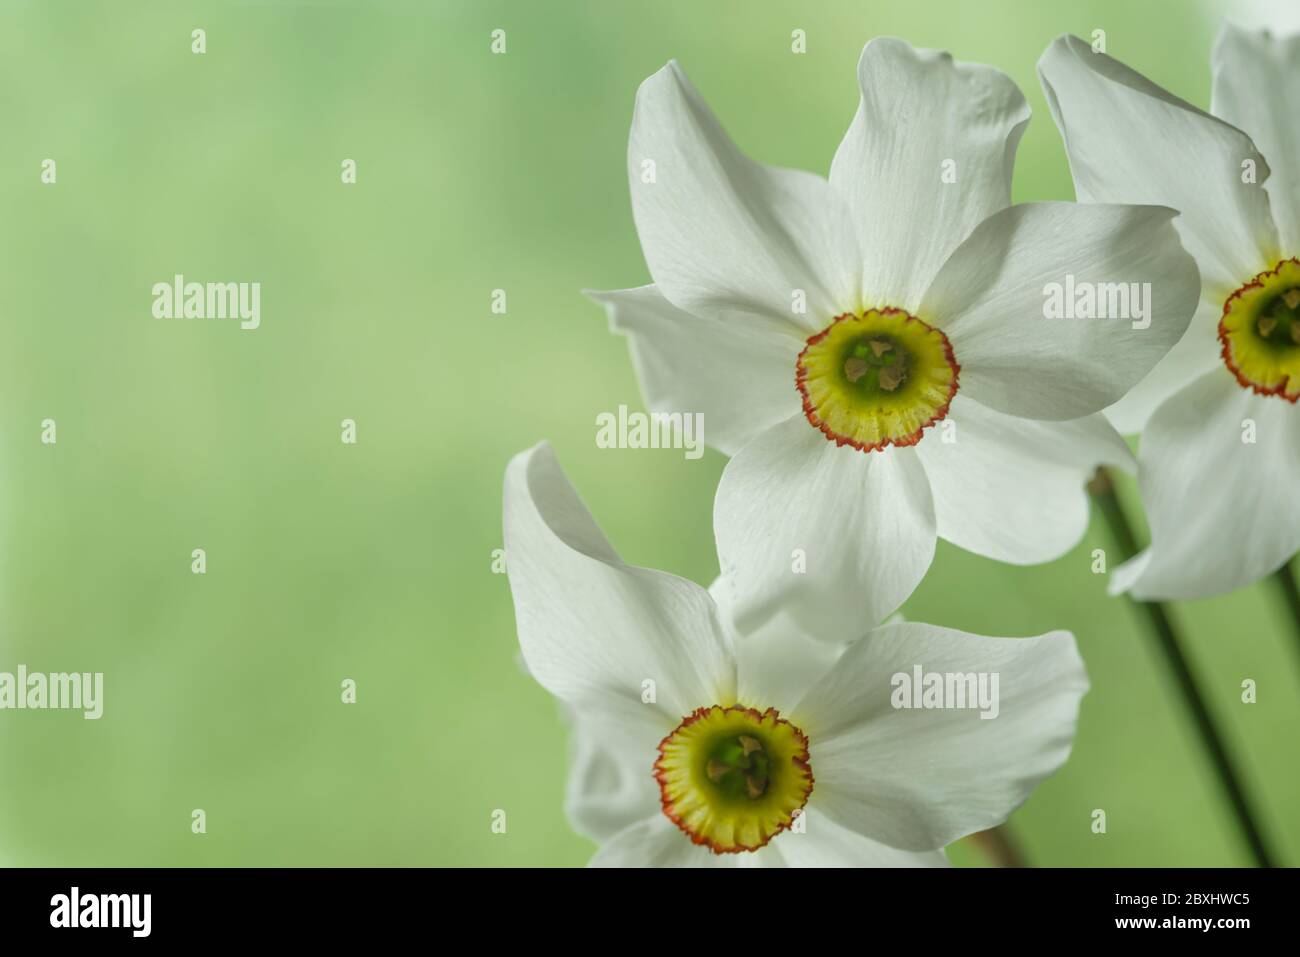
1103	491
999	847
1285	578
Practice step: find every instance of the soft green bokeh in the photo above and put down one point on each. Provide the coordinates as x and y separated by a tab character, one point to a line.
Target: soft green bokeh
328	561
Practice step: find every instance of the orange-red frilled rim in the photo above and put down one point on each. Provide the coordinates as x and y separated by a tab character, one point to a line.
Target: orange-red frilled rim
878	378
1260	332
733	778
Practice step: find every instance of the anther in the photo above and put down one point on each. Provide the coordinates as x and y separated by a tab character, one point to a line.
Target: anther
891	377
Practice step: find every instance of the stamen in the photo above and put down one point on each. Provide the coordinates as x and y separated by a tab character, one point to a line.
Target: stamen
891	377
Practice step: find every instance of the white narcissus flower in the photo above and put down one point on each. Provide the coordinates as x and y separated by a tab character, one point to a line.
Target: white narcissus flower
872	350
1220	445
696	748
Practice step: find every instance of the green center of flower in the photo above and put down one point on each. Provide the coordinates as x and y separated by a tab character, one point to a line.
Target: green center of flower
877	378
1260	332
738	768
1279	325
733	778
876	364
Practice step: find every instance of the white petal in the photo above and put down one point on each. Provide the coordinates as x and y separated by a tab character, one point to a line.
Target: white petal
826	844
766	856
610	783
776	662
1280	15
723	234
1196	353
834	537
591	628
740	375
1129	141
1223	512
1257	88
920	779
1013	489
1124	576
921	111
658	842
991	298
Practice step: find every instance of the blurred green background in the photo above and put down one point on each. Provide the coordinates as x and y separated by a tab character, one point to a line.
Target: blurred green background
373	561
